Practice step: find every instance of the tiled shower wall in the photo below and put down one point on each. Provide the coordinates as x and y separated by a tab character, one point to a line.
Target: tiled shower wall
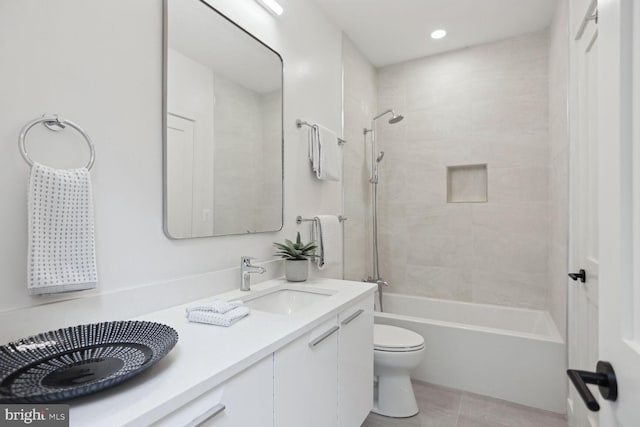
558	165
245	136
359	100
486	104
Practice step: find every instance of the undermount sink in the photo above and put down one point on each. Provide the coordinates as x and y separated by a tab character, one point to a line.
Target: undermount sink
286	300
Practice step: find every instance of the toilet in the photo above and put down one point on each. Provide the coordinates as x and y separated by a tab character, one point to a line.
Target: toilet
396	351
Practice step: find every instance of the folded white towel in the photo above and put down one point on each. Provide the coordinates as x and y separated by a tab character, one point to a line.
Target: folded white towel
62	254
227	319
314	148
330	156
216	306
327	234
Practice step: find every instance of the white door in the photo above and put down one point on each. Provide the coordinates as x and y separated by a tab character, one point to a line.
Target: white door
180	146
584	253
619	156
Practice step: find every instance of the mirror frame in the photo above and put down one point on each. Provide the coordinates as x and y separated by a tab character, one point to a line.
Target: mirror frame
165	47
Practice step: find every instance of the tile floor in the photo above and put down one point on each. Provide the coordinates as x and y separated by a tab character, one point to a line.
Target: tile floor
445	407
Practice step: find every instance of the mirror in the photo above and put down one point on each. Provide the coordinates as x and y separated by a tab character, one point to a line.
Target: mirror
223	146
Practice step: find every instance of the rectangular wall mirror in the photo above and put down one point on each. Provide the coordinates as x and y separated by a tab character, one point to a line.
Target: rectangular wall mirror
223	145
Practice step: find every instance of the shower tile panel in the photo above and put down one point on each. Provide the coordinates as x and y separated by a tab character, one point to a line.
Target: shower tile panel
558	166
482	105
519	185
359	103
467	183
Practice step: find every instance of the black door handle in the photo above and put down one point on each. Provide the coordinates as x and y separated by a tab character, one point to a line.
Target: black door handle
582	275
604	378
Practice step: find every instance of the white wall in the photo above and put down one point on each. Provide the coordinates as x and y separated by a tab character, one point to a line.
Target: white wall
100	64
484	104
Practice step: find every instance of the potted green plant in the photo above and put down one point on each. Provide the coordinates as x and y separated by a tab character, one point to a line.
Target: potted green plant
296	258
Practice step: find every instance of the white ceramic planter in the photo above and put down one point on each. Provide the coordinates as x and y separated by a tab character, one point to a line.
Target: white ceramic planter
296	270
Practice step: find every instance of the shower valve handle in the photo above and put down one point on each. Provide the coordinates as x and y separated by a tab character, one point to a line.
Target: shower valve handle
582	275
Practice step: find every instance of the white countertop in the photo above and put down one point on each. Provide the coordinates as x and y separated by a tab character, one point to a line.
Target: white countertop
207	355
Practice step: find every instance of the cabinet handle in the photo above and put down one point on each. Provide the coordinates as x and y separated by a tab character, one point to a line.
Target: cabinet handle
201	419
353	316
324	336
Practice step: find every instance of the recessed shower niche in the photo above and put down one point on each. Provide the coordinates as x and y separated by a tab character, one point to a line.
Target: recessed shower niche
467	184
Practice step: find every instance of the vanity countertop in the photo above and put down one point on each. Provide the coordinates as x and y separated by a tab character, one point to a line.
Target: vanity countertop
207	355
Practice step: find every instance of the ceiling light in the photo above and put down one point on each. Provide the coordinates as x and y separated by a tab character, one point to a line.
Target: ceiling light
272	6
438	34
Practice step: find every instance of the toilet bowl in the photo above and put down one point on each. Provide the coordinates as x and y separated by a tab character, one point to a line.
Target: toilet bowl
396	351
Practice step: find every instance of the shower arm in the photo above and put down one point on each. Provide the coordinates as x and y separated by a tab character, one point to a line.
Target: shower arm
382	114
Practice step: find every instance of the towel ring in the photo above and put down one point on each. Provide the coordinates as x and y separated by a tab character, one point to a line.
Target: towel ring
56	124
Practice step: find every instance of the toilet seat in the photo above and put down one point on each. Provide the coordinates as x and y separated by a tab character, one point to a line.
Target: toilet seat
393	339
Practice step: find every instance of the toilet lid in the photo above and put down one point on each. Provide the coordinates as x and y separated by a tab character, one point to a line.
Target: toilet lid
392	338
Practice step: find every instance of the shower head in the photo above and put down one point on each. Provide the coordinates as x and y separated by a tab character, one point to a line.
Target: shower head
395	119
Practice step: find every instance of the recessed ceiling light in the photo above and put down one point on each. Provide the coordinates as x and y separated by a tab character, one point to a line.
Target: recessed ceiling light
438	34
272	6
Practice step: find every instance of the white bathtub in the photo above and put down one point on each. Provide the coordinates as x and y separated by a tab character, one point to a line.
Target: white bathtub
507	353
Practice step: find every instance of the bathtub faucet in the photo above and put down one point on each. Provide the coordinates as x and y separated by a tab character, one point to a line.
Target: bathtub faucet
380	283
377	281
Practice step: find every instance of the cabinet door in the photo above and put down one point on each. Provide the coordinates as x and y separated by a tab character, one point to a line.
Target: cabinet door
244	400
306	379
355	364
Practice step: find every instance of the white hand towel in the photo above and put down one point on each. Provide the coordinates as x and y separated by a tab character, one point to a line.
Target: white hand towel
330	157
327	233
62	255
216	306
227	319
314	148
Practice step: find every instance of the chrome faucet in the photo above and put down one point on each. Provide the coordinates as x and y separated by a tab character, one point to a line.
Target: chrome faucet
245	272
380	284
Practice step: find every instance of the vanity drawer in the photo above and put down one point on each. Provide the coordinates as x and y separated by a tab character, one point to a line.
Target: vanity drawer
244	400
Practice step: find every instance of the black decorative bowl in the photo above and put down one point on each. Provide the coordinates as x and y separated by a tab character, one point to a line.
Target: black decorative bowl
80	360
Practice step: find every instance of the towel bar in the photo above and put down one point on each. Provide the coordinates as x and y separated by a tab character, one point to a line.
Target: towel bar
300	123
300	219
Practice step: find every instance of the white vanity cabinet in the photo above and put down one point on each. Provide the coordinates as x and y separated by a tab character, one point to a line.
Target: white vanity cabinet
306	379
355	363
325	378
246	399
313	368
